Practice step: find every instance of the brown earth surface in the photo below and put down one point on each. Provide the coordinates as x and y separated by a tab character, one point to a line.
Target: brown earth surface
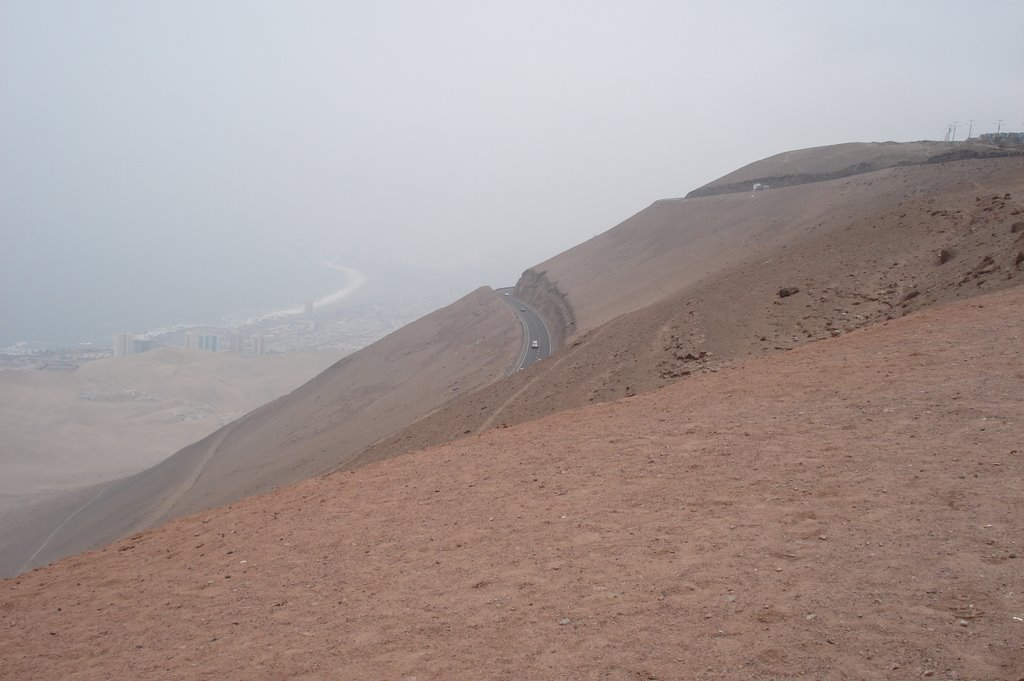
849	509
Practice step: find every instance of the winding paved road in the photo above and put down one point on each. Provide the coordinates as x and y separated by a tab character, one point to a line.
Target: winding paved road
533	330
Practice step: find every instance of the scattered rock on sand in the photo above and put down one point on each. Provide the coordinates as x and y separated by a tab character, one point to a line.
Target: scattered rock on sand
910	295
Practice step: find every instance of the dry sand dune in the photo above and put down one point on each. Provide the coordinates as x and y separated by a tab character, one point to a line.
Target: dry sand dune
850	509
310	431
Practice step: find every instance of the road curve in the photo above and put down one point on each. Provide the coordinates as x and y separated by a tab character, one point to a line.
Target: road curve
534	329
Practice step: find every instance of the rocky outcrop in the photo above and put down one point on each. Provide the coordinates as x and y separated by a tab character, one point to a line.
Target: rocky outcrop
544	295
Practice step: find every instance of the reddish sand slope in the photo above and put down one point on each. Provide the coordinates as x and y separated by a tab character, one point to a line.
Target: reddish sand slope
849	509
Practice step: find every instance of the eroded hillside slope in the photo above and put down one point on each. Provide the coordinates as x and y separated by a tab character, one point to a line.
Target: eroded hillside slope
850	508
690	286
678	243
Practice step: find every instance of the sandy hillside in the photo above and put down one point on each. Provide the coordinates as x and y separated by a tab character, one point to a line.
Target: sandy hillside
849	509
682	288
677	243
356	402
686	287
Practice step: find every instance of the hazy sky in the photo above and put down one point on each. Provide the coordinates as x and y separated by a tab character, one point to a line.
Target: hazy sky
171	155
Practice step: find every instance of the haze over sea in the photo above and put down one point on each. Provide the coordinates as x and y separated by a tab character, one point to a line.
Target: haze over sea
138	302
163	163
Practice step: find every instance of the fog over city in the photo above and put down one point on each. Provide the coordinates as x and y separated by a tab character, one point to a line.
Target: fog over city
178	162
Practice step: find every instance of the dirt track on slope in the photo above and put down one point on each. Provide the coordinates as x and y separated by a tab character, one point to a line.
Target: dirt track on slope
848	509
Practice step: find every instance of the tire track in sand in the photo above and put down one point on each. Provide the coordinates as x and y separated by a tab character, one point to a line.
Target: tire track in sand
486	425
169	501
152	517
60	527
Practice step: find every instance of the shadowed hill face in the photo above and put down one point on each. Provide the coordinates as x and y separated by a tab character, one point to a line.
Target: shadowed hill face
310	431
